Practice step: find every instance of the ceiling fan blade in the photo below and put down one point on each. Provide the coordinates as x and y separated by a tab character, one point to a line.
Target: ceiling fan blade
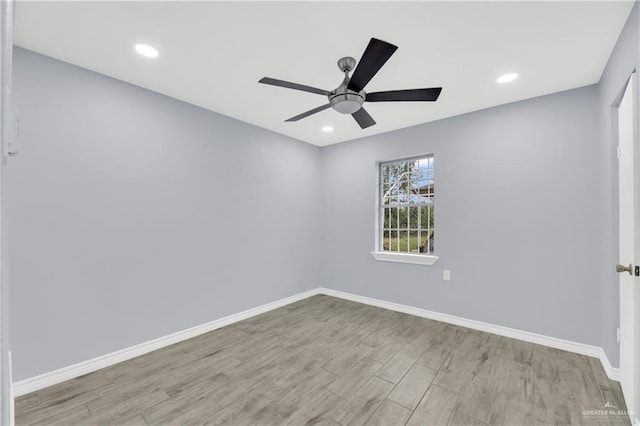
363	118
373	58
425	95
308	113
295	86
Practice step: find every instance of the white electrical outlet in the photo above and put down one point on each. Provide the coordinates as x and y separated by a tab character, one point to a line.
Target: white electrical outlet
446	275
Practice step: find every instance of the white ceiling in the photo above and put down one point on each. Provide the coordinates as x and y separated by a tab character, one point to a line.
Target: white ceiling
212	54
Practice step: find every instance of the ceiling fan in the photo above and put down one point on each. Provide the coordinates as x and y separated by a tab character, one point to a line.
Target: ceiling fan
350	95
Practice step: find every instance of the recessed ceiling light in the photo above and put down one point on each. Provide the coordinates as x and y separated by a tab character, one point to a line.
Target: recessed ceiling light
146	50
507	77
327	129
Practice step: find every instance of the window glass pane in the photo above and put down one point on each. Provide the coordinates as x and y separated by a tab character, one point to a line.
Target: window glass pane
403	217
385	190
431	216
402	241
387	218
429	242
391	222
406	201
391	240
426	217
414	243
404	189
384	172
413	217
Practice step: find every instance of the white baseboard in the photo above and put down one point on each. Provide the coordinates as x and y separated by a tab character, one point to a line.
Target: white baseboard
51	378
553	342
612	372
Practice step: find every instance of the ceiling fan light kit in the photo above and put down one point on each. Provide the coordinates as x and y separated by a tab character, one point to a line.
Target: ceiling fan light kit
349	96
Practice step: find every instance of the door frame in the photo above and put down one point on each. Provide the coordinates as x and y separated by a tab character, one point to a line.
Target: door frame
6	135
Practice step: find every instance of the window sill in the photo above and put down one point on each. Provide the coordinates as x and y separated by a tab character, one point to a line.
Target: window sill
417	259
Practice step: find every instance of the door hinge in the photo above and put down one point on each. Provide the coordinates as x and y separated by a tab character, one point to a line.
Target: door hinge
618	334
618	152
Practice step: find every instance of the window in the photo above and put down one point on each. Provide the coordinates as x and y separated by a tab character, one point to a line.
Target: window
406	211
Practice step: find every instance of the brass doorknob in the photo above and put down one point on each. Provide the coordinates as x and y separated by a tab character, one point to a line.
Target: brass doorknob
621	268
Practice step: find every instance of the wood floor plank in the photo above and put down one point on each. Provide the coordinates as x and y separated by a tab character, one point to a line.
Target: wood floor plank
389	413
253	407
459	419
272	421
435	408
548	385
297	395
207	397
434	355
383	351
124	406
515	350
45	412
395	369
342	361
477	395
319	408
71	416
364	402
579	379
327	421
475	344
355	377
114	420
439	345
413	386
27	402
514	402
81	390
458	371
293	370
610	390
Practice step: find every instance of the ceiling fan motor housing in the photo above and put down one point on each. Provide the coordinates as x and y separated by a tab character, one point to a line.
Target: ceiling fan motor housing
343	100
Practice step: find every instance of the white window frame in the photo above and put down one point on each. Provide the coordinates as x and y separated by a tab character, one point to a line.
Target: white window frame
387	256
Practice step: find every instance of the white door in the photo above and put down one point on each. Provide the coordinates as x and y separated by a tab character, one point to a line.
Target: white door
629	209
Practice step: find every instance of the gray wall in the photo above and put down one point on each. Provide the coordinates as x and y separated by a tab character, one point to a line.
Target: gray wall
132	215
623	61
517	216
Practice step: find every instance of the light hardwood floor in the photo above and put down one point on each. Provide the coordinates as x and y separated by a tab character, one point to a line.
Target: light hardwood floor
329	361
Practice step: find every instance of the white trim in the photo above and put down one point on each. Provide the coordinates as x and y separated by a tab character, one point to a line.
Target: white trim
51	378
418	259
71	372
553	342
612	372
12	396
